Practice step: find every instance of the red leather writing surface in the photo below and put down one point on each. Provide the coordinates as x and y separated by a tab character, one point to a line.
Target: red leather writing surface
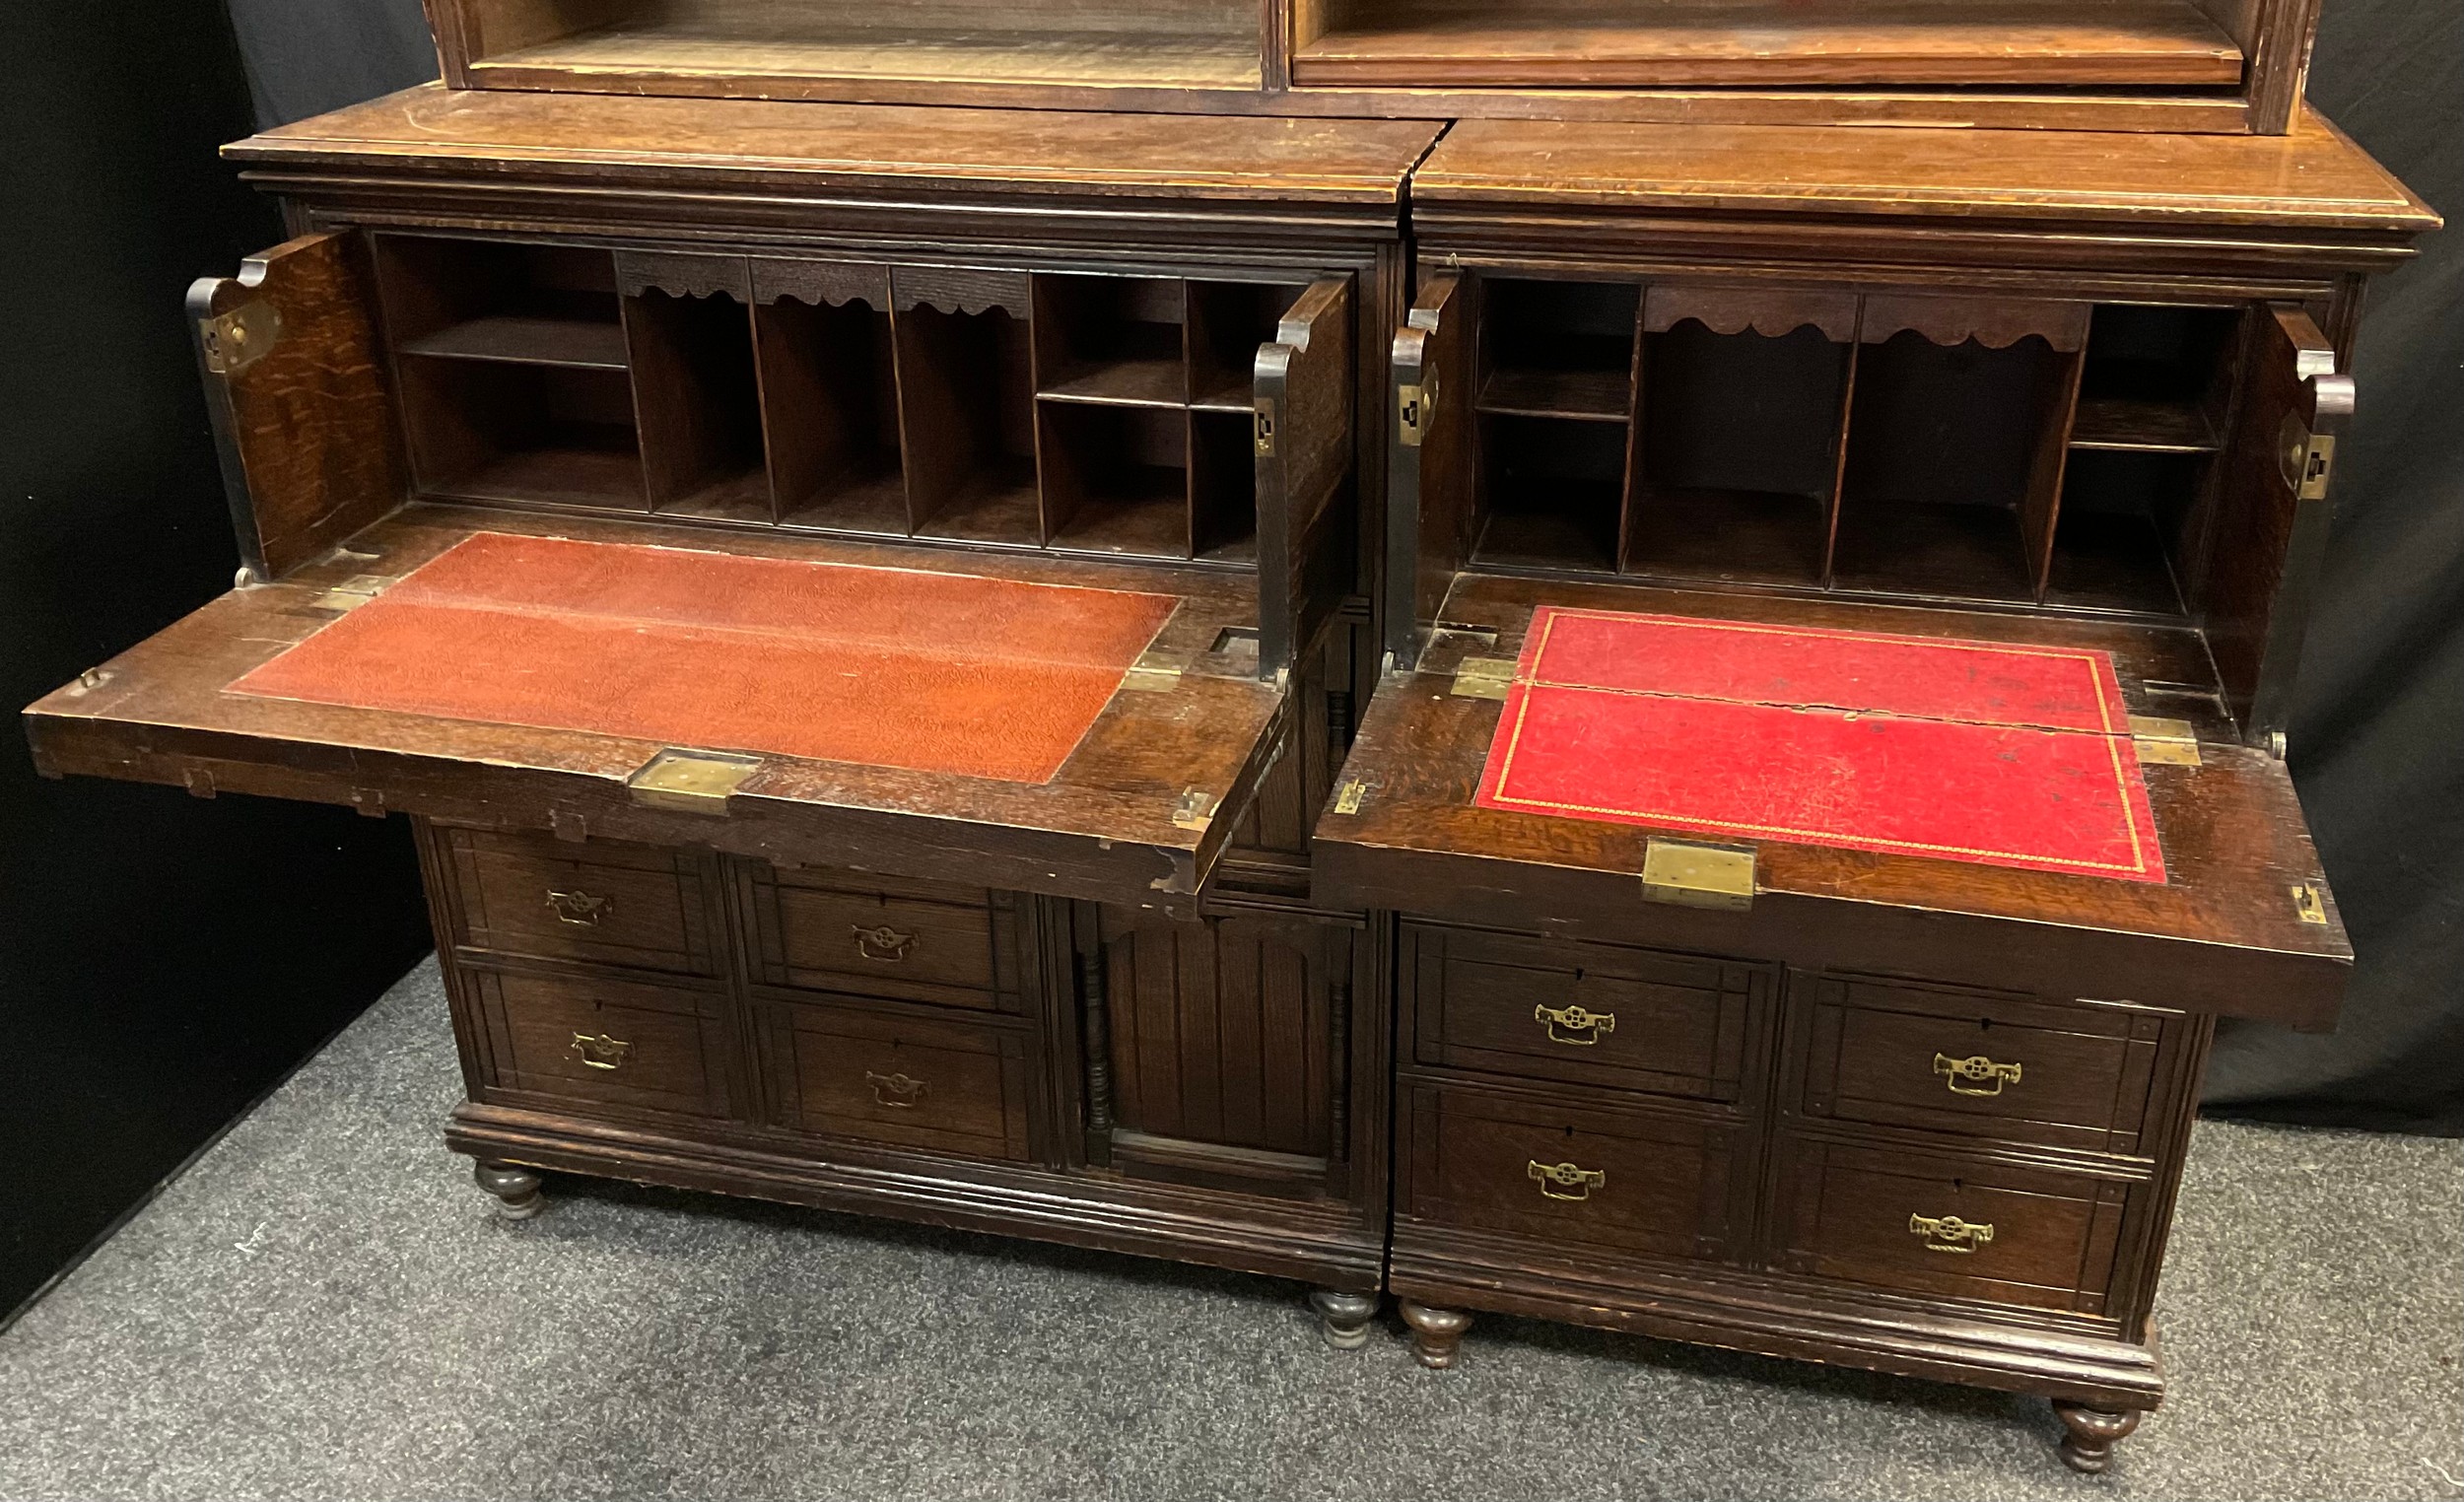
885	667
1977	751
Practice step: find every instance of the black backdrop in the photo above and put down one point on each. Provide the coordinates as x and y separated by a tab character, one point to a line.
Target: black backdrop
165	959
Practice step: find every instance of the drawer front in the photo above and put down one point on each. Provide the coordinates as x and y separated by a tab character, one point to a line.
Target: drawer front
1951	1225
1590	1013
904	940
2066	1076
605	1043
1661	1183
639	907
913	1081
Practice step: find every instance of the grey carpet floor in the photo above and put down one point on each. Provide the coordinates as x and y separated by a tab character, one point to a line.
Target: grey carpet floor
324	1307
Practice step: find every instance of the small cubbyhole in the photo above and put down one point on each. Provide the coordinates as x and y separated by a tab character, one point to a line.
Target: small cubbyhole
2157	380
967	425
1558	350
1223	487
830	401
2119	540
1552	489
1228	323
500	302
1944	444
527	433
1116	479
1740	454
698	403
1108	339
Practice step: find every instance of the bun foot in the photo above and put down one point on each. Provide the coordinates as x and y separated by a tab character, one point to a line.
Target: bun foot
517	1189
1344	1317
2092	1433
1435	1333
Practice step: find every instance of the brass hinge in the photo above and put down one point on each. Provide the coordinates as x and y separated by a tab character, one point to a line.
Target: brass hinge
355	592
1349	796
691	782
1483	677
2310	458
1695	875
1156	672
2307	903
1265	430
2163	742
240	338
1195	809
1415	405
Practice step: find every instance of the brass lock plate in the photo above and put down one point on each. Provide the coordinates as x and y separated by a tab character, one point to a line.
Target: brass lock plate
1695	875
234	341
691	782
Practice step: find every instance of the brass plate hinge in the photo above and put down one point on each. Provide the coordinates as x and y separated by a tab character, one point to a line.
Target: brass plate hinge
1156	672
2307	902
1414	406
1196	810
1349	796
1483	677
2310	458
1693	875
355	592
2164	742
240	338
691	782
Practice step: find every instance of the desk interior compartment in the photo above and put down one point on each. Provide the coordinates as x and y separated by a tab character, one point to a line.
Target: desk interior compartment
829	388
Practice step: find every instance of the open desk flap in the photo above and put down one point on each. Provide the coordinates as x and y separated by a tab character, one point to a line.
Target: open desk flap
1965	797
1061	726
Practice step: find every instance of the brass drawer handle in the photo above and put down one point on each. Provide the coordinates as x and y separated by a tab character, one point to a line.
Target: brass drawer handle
1564	1177
1564	1022
582	908
602	1052
1975	1067
1949	1233
884	943
900	1092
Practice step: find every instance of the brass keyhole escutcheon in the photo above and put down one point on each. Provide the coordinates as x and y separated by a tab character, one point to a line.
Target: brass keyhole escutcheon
884	943
1987	1076
602	1052
582	910
899	1092
1949	1233
1566	1181
1575	1026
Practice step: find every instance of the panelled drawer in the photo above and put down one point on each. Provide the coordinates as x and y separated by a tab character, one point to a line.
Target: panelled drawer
1593	1014
534	896
606	1042
904	940
1951	1225
2063	1075
882	1076
1659	1181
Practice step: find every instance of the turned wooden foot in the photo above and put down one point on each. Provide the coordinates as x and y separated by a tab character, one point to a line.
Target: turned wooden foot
517	1189
1435	1333
1344	1316
2092	1433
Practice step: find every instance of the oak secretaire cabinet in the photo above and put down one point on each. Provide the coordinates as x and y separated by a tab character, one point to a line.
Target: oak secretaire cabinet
2146	65
1843	593
585	450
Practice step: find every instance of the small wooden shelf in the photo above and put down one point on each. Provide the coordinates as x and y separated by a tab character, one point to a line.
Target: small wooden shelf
1937	549
1728	536
997	505
2113	561
874	505
1145	515
2134	426
573	343
596	467
1122	383
1587	395
740	496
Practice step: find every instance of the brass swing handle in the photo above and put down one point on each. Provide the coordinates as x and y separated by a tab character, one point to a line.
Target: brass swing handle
1949	1233
1556	1180
1565	1022
884	943
581	909
1976	1067
602	1052
899	1092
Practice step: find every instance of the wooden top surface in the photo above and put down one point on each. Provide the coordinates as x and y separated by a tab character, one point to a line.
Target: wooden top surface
1022	150
2313	177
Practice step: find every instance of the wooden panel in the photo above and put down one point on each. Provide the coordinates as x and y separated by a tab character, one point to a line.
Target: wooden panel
1875	1216
1221	1030
2066	1076
892	1077
1773	312
596	1042
1587	1013
1662	1184
606	904
911	941
1304	397
1994	322
1430	461
303	421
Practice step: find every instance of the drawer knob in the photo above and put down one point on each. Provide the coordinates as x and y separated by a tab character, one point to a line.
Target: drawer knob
1574	1025
1990	1076
884	943
602	1052
1565	1180
899	1092
582	910
1949	1233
